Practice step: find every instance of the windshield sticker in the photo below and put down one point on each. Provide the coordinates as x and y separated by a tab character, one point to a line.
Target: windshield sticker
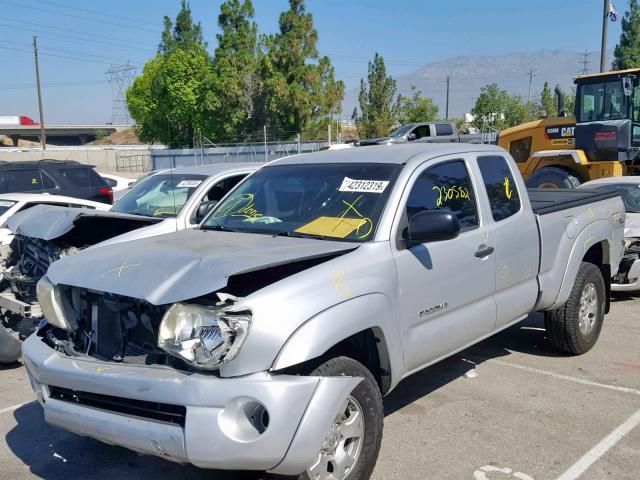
189	183
4	203
238	206
338	227
363	186
265	220
450	193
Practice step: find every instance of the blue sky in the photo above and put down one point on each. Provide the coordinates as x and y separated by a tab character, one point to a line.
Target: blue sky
79	39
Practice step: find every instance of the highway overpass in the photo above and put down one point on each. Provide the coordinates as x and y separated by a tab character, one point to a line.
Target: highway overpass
60	134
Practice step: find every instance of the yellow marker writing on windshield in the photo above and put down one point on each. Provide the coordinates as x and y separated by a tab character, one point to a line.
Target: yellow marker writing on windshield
507	191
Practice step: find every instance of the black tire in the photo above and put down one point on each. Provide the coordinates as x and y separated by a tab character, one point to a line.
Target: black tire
369	398
553	177
563	325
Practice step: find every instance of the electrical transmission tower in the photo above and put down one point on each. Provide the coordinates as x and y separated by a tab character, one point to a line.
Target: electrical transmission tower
585	62
120	77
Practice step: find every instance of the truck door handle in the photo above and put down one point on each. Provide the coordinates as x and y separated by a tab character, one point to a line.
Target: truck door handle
484	251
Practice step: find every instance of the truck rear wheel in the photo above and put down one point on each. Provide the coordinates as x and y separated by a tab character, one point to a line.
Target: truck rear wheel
553	177
352	445
575	327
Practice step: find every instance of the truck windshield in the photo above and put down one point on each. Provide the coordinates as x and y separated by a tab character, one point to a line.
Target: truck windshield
333	201
161	195
402	130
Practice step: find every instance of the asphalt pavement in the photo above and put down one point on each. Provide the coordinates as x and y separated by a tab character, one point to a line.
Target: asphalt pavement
509	408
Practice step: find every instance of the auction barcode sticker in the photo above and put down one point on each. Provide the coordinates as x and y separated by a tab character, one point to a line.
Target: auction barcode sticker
189	183
363	186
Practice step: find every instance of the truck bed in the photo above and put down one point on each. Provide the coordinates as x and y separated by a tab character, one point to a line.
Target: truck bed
550	200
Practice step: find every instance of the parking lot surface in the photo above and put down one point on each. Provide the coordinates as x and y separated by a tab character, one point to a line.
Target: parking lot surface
508	408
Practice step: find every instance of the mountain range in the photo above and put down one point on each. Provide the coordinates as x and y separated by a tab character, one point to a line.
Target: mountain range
468	74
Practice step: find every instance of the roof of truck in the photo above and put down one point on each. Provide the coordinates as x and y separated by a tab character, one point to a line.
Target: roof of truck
213	168
398	154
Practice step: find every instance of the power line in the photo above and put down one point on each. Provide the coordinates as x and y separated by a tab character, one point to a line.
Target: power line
531	75
79	17
94	12
73	52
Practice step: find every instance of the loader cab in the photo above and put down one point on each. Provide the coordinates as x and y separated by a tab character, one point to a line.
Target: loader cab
608	115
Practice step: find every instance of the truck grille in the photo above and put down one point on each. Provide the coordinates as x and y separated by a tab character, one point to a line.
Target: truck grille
162	412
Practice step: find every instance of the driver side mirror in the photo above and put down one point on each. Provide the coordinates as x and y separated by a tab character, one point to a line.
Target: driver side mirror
432	226
203	210
411	136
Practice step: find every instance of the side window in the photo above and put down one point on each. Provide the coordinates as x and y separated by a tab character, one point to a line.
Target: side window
422	131
220	189
110	181
446	186
26	180
47	183
501	188
520	149
443	129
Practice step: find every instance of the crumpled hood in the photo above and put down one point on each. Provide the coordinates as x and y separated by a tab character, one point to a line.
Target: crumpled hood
182	265
48	222
632	225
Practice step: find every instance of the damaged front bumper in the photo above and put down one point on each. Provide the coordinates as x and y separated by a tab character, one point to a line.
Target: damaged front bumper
628	277
261	421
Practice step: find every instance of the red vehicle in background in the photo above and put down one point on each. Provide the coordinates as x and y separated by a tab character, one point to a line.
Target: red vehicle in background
12	120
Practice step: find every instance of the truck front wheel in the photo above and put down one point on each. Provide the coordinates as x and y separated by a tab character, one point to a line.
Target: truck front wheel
575	327
351	447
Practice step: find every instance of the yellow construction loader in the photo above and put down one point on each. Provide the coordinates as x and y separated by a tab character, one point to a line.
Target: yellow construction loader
601	140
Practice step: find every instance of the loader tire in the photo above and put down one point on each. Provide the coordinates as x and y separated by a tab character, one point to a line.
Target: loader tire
553	177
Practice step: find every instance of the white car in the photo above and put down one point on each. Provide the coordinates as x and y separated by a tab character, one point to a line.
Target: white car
12	203
628	277
116	182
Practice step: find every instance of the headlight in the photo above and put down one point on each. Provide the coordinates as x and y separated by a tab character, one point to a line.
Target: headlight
52	305
205	337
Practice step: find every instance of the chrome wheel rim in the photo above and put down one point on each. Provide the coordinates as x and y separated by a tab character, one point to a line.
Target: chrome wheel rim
342	446
588	309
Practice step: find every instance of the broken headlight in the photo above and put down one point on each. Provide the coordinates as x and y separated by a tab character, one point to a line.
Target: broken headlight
54	306
205	337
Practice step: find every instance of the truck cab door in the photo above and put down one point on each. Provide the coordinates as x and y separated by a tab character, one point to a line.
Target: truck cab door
445	287
513	227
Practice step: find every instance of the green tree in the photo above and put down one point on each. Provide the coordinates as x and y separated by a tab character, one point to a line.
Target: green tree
415	108
301	85
377	110
495	108
548	101
627	52
235	83
184	34
167	100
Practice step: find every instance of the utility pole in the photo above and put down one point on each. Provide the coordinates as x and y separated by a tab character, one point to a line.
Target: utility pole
43	139
531	75
266	154
605	25
446	110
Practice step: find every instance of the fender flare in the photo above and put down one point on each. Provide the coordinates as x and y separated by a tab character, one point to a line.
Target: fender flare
331	326
586	239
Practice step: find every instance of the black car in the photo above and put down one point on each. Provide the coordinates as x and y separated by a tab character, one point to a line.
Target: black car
57	177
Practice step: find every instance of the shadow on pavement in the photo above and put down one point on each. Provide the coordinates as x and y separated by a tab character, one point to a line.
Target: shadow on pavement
527	337
53	454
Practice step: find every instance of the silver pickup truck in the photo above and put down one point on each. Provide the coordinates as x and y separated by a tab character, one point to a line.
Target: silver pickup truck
430	132
266	339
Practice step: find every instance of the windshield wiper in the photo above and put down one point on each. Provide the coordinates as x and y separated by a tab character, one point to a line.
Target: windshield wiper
297	235
219	228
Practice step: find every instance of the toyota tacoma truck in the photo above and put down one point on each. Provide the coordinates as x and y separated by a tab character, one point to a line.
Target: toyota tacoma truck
164	202
266	338
430	132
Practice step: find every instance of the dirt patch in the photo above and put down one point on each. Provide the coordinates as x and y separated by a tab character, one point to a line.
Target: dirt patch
123	137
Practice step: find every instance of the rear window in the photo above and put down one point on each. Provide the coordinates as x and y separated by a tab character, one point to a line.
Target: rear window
444	129
500	185
82	177
5	205
520	149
